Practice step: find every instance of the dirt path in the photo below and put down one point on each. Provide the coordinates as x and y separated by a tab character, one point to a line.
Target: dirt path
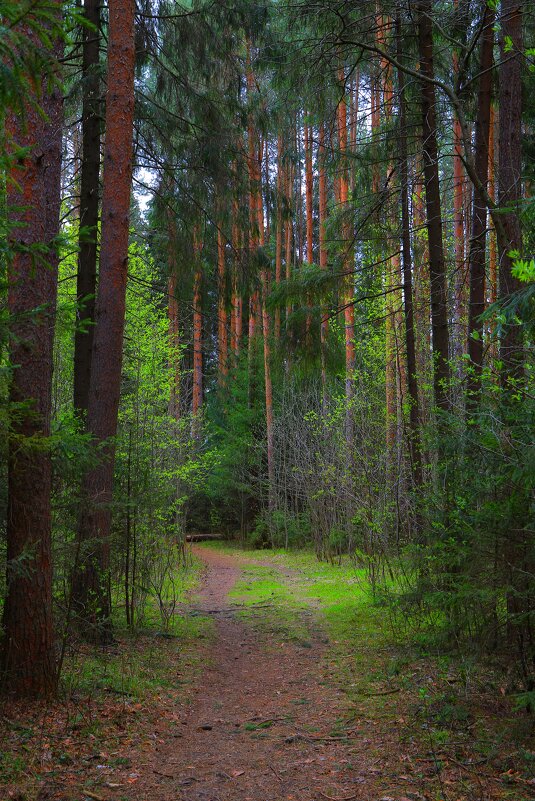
261	726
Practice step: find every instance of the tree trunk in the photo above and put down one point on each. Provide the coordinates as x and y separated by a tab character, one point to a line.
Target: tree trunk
459	325
437	266
222	308
33	201
322	190
493	260
172	313
510	173
347	244
479	214
237	303
197	333
412	379
89	201
278	232
309	181
90	594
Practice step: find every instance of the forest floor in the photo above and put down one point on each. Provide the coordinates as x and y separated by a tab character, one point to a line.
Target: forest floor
285	684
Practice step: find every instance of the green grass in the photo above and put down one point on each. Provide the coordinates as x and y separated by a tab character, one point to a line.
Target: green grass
307	597
144	660
269	604
379	661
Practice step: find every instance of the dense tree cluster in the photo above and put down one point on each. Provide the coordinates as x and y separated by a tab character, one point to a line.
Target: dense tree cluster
267	270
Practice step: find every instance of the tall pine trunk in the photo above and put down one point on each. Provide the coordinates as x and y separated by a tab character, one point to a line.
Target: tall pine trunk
89	202
479	212
437	265
222	307
278	231
33	199
510	173
90	586
408	306
347	244
322	210
197	334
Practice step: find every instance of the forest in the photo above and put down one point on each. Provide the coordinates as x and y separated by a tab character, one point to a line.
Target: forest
267	400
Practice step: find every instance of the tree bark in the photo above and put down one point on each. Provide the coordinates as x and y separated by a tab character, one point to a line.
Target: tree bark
479	212
347	244
222	308
322	190
90	594
278	232
237	302
510	174
309	181
412	379
89	203
197	333
33	201
437	266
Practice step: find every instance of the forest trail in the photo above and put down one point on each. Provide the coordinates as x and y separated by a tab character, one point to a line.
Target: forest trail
265	722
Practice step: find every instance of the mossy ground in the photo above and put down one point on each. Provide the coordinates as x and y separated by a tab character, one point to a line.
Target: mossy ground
104	694
450	709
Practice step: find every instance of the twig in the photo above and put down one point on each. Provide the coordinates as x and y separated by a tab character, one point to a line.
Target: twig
342	798
279	777
167	775
96	797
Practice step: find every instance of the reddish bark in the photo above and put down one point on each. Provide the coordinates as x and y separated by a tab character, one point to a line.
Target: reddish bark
348	290
510	173
172	313
459	188
197	332
237	303
222	308
289	229
479	217
322	190
90	593
437	265
33	202
459	240
309	180
408	305
89	202
278	232
493	262
257	240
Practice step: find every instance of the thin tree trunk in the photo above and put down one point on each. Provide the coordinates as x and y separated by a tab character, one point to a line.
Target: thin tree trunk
510	173
493	260
309	180
237	302
459	324
278	232
412	378
197	333
289	231
322	189
33	200
89	203
349	292
172	314
479	217
222	308
437	266
90	583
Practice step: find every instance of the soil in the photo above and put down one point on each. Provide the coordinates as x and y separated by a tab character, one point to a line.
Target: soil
266	721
